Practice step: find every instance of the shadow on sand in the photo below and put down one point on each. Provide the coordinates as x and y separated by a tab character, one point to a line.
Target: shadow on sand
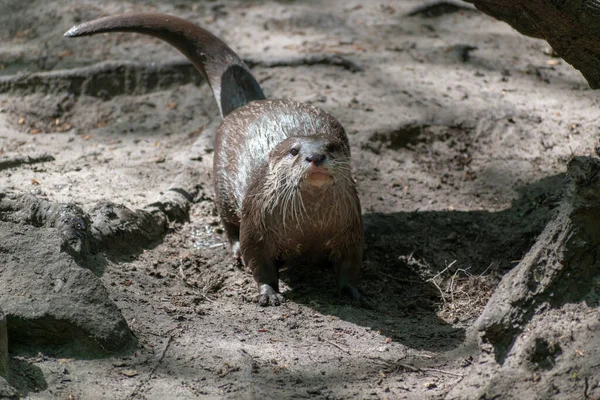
401	301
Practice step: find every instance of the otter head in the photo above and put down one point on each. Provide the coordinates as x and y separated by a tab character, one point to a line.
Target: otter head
310	162
307	173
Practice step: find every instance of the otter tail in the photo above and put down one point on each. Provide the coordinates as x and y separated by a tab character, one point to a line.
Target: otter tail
229	78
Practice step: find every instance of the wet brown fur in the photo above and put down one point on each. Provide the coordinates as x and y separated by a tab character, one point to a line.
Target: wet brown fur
271	211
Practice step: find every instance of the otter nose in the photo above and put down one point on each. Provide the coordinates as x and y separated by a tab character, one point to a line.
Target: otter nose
316	158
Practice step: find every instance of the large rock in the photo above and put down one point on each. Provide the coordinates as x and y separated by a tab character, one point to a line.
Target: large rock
571	27
52	301
51	295
51	255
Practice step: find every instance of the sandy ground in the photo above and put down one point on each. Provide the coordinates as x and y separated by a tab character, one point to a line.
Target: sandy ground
460	130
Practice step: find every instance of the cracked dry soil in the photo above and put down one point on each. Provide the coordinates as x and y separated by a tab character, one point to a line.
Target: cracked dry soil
461	130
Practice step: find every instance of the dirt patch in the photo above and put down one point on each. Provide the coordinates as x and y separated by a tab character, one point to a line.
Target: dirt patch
461	130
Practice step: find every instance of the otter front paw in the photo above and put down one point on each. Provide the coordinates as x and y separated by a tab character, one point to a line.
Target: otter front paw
267	296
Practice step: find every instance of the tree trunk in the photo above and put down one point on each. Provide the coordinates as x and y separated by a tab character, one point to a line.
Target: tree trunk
571	27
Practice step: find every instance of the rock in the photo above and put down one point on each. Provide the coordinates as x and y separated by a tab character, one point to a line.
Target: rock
51	255
52	301
116	228
51	296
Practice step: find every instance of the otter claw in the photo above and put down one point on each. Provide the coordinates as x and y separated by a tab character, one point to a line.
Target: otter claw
236	250
237	253
268	296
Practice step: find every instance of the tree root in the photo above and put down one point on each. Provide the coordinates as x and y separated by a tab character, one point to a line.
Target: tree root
110	79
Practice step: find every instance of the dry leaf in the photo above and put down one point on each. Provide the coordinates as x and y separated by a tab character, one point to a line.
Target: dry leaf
65	127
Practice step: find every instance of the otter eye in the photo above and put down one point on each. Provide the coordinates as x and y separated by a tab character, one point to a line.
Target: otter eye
294	151
331	148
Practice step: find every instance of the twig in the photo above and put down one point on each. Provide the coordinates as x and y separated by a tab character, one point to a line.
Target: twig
415	369
153	369
442	271
387	363
433	280
311	59
17	161
181	273
443	372
452	283
399	279
425	369
486	270
408	367
338	346
207	298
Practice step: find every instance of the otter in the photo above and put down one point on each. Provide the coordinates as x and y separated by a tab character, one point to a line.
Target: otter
281	170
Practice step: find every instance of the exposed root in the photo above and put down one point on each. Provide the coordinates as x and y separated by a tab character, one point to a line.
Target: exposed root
105	79
110	79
